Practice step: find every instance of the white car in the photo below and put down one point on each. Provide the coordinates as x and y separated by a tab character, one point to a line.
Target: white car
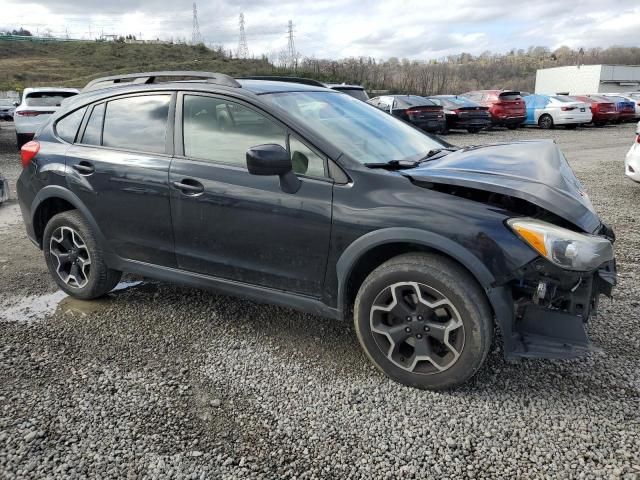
35	108
547	111
632	162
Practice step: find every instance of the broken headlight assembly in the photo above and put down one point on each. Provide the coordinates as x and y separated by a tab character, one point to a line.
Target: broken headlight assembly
565	248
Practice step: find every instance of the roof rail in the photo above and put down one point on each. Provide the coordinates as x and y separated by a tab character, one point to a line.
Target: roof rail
280	78
150	77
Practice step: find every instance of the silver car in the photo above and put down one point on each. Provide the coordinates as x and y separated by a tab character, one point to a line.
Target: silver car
7	107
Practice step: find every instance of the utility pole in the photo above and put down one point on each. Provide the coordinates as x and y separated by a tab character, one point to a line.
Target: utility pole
243	49
195	33
291	48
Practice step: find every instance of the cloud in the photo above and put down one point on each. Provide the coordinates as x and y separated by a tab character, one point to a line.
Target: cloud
416	29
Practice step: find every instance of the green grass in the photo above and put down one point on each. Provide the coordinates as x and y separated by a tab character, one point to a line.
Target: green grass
73	64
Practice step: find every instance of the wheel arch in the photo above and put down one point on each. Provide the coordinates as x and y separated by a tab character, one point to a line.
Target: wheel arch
374	248
54	199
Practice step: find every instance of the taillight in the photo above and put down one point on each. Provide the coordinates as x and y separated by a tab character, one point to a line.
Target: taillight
638	139
29	113
566	109
28	151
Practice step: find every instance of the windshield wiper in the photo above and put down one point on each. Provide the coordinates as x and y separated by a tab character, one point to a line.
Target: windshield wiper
399	164
394	164
436	151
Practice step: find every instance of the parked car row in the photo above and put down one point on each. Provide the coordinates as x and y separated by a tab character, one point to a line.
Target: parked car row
473	111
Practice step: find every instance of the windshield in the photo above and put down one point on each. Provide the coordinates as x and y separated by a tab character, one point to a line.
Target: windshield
361	131
47	99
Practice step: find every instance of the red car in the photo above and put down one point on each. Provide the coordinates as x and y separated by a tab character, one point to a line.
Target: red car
507	107
603	109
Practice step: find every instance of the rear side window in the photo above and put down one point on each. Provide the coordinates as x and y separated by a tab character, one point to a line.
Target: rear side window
46	99
67	127
93	131
137	123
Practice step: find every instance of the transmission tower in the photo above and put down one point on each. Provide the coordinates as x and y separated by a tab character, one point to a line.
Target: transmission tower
291	47
196	38
243	50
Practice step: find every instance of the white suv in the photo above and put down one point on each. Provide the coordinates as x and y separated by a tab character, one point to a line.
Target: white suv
36	107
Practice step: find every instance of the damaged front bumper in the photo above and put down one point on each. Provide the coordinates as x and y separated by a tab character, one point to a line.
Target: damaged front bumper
551	307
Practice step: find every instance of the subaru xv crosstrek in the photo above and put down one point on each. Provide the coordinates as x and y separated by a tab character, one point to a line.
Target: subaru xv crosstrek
298	195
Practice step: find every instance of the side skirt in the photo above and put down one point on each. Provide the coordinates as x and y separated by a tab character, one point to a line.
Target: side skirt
234	288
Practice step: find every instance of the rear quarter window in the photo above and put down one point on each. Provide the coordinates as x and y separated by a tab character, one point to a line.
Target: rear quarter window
67	127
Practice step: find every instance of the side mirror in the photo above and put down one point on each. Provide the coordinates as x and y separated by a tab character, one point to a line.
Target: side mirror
272	159
16	104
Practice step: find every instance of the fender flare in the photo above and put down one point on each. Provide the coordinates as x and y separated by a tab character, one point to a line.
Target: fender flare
57	191
498	297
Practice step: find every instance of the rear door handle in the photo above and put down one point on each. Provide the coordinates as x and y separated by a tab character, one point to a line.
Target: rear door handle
189	186
84	168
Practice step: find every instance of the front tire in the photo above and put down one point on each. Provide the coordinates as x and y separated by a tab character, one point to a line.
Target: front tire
423	321
545	122
75	259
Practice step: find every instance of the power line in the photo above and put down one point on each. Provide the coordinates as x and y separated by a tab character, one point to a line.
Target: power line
243	49
196	38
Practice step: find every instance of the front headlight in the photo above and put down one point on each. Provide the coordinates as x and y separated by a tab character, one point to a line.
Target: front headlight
565	248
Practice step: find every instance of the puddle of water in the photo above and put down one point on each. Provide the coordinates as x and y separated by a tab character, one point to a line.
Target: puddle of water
36	307
32	308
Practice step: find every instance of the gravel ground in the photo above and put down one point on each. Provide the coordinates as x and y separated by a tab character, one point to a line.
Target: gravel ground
160	381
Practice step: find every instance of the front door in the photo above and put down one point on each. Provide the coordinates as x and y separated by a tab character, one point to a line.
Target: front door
234	225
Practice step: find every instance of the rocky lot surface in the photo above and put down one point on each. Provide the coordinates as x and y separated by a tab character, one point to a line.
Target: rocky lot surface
161	381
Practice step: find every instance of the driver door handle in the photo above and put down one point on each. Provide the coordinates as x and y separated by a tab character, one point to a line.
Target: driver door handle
189	186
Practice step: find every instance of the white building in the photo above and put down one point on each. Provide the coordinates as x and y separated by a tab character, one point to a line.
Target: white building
587	79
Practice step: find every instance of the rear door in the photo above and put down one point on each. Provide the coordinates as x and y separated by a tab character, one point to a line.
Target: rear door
119	168
242	227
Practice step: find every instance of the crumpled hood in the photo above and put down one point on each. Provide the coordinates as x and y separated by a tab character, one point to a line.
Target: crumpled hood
535	171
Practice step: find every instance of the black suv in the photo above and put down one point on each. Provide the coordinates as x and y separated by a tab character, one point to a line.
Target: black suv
298	195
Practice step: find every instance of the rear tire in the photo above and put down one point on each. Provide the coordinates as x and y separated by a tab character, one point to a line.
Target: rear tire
424	321
75	259
545	122
473	130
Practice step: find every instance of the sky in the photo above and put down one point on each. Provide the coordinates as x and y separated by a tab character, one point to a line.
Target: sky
420	30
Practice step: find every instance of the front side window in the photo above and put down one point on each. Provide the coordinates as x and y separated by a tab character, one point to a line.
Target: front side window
221	131
137	123
363	133
67	127
93	131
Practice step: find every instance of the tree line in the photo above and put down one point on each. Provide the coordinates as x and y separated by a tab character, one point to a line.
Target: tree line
455	73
